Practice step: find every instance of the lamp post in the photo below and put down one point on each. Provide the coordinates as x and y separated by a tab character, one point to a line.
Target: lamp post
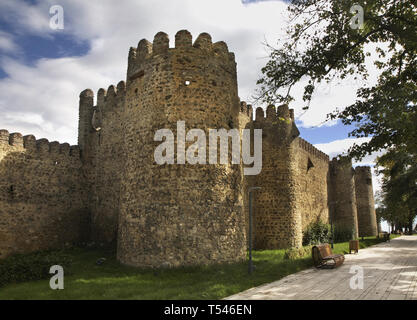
331	230
250	228
332	207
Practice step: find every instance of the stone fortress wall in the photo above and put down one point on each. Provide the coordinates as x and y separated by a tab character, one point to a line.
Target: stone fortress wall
43	202
365	203
101	138
113	192
177	214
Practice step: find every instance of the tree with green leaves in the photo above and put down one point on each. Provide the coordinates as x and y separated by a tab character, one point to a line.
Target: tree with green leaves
324	43
399	188
330	39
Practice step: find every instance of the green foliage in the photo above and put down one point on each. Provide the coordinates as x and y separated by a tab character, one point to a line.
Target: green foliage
316	233
115	281
321	46
33	266
398	198
342	234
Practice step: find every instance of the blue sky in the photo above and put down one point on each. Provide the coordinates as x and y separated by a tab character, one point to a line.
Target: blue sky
31	46
42	71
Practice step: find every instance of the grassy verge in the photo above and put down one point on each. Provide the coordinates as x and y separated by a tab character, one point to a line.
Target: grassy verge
115	281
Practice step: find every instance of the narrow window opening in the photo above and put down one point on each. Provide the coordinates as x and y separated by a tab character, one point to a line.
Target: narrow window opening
12	191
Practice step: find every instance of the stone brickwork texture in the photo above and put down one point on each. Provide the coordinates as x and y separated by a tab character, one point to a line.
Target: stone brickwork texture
367	224
179	214
43	202
342	196
109	189
277	221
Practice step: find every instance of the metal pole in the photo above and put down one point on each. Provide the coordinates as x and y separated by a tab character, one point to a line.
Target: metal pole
331	224
250	233
332	235
250	228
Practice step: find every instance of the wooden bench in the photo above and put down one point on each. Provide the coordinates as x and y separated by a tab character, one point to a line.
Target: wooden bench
323	257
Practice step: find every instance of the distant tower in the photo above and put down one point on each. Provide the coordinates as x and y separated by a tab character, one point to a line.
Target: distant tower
277	220
179	214
87	142
342	202
365	204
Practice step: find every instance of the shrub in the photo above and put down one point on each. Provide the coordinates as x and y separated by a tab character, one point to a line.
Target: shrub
295	253
33	266
316	232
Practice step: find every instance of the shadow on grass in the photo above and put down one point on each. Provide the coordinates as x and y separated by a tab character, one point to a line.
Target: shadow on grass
112	280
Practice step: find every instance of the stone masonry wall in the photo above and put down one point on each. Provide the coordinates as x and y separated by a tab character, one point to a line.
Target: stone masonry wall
110	189
109	163
245	122
311	183
179	214
42	197
277	223
367	223
103	158
342	199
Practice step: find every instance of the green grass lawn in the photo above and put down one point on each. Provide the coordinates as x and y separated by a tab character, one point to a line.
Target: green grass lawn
115	281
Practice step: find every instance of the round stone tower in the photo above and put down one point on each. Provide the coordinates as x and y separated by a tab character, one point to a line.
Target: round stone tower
179	213
365	204
342	204
277	220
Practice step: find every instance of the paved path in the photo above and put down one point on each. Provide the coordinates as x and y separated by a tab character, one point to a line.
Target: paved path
389	272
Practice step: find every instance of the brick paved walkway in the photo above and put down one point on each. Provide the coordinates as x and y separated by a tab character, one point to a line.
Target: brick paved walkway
389	269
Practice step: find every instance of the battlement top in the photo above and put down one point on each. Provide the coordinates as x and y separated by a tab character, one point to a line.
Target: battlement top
41	146
246	109
363	170
183	42
305	145
274	115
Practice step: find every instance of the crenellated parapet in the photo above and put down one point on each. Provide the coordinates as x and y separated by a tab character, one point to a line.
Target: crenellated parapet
111	98
312	150
364	171
280	115
147	56
246	109
11	142
277	124
108	101
91	116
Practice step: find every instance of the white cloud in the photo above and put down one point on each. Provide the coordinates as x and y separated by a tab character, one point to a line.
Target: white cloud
337	147
26	18
6	42
50	87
